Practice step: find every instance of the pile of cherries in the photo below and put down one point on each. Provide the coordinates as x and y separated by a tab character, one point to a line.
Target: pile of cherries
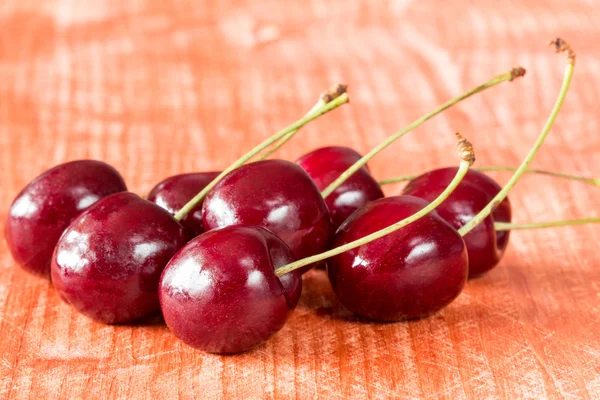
117	257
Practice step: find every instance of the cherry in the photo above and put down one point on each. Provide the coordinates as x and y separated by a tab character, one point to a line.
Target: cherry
220	294
175	191
484	244
323	158
324	165
410	273
108	262
277	195
46	206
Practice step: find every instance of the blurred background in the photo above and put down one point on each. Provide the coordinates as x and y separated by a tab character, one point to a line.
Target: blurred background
157	88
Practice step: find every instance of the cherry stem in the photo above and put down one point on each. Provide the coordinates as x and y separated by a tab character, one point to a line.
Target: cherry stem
506	226
508	76
277	146
561	46
465	151
325	98
325	108
590	181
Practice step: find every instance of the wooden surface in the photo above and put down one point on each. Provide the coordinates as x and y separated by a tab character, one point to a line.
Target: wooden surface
162	87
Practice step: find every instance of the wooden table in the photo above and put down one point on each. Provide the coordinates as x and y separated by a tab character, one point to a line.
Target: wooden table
158	87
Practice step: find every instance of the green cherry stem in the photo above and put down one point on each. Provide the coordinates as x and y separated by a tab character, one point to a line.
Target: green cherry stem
338	101
278	145
506	226
467	157
589	181
508	76
326	97
561	46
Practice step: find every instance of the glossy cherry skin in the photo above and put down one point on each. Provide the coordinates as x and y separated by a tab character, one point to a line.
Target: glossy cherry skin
277	195
175	191
410	273
220	294
108	262
325	165
45	207
332	156
485	246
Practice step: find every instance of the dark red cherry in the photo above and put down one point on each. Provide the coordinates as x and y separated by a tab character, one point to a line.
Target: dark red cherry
175	191
410	273
277	195
108	262
476	190
325	165
220	294
45	207
321	159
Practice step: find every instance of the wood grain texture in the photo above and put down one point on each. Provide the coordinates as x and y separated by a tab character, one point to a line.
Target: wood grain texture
162	87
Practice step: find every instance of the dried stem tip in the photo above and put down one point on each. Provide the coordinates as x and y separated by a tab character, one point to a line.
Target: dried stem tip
333	92
517	72
563	47
465	149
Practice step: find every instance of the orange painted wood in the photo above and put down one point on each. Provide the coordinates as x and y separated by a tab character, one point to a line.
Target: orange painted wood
158	87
